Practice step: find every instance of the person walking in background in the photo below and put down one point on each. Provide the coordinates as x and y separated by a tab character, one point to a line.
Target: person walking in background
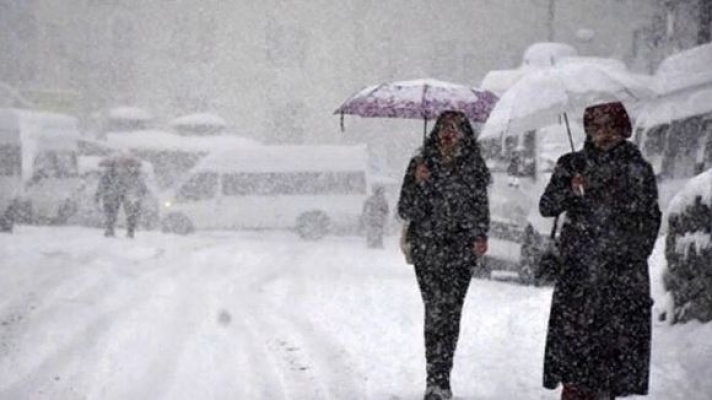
374	216
444	201
121	184
599	335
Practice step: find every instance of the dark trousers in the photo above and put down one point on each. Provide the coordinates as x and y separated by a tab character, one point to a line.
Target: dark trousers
444	273
571	392
132	209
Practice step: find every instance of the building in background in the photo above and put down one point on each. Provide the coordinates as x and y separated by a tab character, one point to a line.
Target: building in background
674	26
277	69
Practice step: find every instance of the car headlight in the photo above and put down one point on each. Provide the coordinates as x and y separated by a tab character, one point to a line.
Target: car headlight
167	204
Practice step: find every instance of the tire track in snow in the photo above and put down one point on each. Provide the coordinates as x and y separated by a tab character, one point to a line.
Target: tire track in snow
64	295
133	294
308	351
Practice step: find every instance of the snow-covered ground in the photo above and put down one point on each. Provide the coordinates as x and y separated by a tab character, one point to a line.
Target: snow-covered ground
266	316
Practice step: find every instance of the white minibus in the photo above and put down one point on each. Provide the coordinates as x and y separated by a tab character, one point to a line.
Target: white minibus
312	189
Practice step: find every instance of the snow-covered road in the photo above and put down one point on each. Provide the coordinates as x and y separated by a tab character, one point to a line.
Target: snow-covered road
266	316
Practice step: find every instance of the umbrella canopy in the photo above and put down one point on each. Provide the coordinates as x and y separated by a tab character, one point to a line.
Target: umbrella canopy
543	97
416	99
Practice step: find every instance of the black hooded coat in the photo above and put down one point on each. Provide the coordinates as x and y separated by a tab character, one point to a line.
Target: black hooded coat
452	205
447	213
600	322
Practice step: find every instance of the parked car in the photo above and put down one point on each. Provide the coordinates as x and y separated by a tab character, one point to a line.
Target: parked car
38	166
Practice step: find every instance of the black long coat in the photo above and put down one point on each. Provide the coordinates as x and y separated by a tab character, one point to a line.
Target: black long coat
600	322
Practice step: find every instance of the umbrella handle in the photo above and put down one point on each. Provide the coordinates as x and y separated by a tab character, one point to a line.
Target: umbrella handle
568	131
342	121
425	129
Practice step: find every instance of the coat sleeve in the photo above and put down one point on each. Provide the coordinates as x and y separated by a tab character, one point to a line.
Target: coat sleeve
477	221
558	195
413	204
645	212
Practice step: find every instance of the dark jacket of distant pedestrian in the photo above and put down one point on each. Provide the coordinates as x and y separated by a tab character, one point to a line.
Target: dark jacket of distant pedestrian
374	216
599	335
121	184
444	201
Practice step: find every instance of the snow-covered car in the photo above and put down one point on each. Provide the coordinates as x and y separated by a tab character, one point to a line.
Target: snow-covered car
688	250
89	213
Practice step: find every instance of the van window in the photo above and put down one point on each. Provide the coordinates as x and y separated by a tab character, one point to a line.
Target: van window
294	183
55	164
10	160
201	186
707	137
655	140
684	150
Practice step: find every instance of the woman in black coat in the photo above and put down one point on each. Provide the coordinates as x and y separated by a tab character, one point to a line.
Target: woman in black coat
444	199
598	342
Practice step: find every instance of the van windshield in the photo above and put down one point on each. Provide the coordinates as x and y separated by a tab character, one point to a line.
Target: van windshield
55	164
201	186
294	183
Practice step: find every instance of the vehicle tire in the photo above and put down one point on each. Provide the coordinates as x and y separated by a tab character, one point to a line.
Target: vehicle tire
6	221
528	256
148	219
177	223
21	211
64	212
312	225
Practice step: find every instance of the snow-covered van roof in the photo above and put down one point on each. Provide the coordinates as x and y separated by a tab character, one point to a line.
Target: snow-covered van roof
12	118
685	69
684	85
287	158
169	141
199	119
678	105
51	128
129	113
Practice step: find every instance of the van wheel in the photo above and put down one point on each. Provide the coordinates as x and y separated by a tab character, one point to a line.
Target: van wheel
65	211
21	211
312	225
527	256
177	223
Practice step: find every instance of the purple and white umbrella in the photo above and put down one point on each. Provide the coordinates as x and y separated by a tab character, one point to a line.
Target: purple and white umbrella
416	99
